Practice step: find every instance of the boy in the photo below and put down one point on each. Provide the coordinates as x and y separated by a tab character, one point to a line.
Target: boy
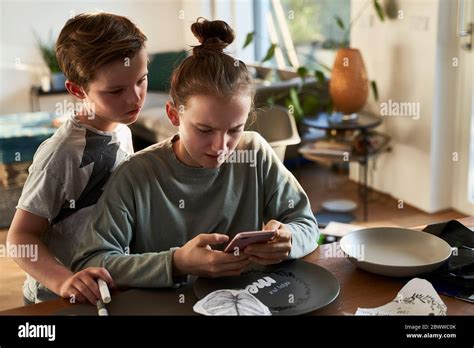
104	59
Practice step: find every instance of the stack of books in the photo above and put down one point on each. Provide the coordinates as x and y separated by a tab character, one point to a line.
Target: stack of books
326	147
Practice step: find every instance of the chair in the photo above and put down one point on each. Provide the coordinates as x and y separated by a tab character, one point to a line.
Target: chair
277	127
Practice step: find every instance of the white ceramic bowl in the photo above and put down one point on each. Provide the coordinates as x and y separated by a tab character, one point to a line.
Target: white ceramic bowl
395	252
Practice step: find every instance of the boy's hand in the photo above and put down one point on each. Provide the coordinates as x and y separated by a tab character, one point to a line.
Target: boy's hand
83	285
197	258
274	251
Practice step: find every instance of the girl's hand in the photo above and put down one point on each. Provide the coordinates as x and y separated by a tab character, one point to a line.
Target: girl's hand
274	251
197	258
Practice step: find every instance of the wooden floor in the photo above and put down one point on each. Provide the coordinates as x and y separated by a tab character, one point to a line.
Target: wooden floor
319	183
322	184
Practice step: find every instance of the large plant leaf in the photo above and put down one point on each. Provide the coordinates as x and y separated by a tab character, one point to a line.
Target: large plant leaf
320	76
379	10
340	22
249	39
270	53
302	72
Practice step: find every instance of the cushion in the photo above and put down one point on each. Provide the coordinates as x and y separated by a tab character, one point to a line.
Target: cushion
161	67
22	133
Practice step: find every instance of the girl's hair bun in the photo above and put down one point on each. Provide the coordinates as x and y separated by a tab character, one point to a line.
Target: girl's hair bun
213	35
210	71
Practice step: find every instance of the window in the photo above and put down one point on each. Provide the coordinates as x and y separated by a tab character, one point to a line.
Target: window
314	28
306	31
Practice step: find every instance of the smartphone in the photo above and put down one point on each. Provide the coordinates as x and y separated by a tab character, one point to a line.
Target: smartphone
242	239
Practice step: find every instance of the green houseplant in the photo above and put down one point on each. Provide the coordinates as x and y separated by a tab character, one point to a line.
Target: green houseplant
310	97
48	53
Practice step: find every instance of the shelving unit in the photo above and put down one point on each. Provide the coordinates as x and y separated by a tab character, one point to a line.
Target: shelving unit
346	141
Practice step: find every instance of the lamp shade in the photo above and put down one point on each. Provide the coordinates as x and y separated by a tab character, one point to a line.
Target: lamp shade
348	86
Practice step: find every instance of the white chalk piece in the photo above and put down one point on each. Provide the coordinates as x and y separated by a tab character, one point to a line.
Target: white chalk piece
101	308
104	291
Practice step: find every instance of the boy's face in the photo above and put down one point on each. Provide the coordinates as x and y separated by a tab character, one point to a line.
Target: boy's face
118	91
210	128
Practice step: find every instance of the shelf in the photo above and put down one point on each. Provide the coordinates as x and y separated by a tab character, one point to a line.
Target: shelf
365	120
343	151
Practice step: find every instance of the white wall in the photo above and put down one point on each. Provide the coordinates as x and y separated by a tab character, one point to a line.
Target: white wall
192	9
411	60
159	19
165	22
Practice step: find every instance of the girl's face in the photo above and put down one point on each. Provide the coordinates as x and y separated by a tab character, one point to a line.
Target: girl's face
209	128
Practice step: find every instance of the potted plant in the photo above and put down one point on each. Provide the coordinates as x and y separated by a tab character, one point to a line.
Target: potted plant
349	85
48	52
307	99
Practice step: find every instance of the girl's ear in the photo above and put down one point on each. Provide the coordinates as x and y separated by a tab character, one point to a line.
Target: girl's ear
172	112
75	90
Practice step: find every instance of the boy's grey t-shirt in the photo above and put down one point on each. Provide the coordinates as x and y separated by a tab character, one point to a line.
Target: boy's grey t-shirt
65	181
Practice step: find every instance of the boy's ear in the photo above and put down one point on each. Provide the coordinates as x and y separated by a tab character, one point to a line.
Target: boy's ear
75	90
172	112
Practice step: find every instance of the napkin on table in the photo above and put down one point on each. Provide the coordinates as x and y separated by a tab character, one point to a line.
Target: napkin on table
417	297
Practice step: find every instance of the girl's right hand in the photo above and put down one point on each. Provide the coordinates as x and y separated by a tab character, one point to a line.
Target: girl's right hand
197	258
82	286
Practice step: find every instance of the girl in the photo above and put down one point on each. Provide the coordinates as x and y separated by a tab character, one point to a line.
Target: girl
169	204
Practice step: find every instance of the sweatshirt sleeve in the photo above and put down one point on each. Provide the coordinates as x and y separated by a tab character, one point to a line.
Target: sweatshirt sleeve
108	240
286	201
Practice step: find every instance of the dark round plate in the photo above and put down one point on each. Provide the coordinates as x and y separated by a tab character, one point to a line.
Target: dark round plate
289	288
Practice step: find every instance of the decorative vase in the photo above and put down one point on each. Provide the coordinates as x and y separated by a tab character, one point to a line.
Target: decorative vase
348	87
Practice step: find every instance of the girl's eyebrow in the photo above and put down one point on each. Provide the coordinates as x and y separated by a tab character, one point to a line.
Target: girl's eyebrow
206	126
113	87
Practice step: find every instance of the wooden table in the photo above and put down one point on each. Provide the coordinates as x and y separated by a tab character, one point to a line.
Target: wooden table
358	288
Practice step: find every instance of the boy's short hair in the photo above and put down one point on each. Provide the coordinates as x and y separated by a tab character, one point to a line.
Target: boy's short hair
90	40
